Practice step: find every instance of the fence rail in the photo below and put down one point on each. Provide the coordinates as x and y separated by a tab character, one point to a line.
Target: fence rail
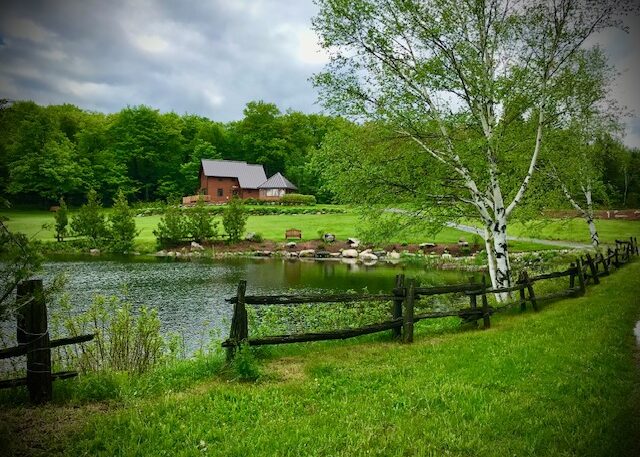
33	341
403	297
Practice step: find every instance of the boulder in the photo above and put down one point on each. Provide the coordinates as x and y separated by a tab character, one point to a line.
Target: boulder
394	255
350	254
446	256
380	253
322	254
196	246
353	242
349	260
328	237
250	236
291	244
368	256
94	251
290	255
161	253
427	245
463	243
262	253
171	254
307	253
335	255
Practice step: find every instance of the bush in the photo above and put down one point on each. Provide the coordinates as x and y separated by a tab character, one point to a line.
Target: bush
244	364
298	199
122	232
172	228
234	219
90	220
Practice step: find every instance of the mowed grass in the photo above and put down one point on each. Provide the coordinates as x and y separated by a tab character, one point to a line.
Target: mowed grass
577	230
560	382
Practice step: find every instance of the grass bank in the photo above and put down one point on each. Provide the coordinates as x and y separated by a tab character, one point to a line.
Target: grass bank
560	382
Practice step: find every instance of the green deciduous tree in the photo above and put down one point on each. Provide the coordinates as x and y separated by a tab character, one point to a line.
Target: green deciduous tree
456	78
234	219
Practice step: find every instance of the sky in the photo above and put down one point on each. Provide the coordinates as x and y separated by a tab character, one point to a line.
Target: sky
204	57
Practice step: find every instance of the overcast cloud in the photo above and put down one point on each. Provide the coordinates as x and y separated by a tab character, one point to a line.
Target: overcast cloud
203	57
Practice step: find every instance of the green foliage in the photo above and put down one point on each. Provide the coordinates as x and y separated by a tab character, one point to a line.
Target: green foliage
172	228
122	229
244	364
62	220
234	219
90	220
124	340
297	199
200	223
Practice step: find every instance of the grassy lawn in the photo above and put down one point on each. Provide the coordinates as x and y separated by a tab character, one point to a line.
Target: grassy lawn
560	382
577	230
346	225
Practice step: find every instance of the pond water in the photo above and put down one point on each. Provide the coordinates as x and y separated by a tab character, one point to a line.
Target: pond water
190	296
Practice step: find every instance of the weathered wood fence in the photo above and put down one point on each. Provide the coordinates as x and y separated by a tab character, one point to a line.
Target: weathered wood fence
33	341
406	293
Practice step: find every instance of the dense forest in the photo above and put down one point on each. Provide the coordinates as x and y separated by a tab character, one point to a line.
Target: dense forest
49	152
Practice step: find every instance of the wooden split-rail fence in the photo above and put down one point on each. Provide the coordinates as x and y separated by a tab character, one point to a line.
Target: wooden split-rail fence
586	269
34	342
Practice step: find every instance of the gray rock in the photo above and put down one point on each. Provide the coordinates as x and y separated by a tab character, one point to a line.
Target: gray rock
394	255
446	256
196	246
262	253
162	253
380	253
426	245
94	251
350	254
353	242
291	244
335	254
307	253
368	256
322	254
328	237
250	236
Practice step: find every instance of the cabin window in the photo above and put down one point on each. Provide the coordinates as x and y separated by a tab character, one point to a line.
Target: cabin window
275	192
220	192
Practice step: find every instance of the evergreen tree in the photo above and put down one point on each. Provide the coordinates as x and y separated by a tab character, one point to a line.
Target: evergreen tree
123	226
200	223
62	220
172	228
234	219
90	220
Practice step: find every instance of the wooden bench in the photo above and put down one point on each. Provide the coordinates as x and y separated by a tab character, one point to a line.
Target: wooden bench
293	233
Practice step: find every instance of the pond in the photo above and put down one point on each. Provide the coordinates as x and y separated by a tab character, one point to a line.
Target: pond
190	296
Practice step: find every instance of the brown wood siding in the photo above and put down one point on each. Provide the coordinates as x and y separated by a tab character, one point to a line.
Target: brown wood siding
228	185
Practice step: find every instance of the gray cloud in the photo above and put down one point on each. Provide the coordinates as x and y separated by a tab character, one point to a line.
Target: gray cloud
204	57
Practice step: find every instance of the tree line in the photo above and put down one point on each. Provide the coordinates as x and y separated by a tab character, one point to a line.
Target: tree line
49	152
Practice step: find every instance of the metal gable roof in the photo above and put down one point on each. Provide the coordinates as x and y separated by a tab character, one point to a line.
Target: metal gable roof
277	181
249	176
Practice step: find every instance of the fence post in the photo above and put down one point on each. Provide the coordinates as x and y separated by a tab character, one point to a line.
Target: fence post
33	332
397	306
239	322
532	294
486	318
581	283
605	264
635	243
593	268
572	275
407	327
616	261
523	300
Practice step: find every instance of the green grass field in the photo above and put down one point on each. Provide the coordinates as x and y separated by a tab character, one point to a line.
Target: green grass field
346	225
559	382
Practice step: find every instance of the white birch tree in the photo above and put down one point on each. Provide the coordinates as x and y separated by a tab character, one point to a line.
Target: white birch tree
435	68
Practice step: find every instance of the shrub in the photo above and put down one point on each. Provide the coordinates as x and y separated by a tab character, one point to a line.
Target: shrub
244	364
122	231
234	219
172	228
298	199
124	340
62	220
200	223
90	220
